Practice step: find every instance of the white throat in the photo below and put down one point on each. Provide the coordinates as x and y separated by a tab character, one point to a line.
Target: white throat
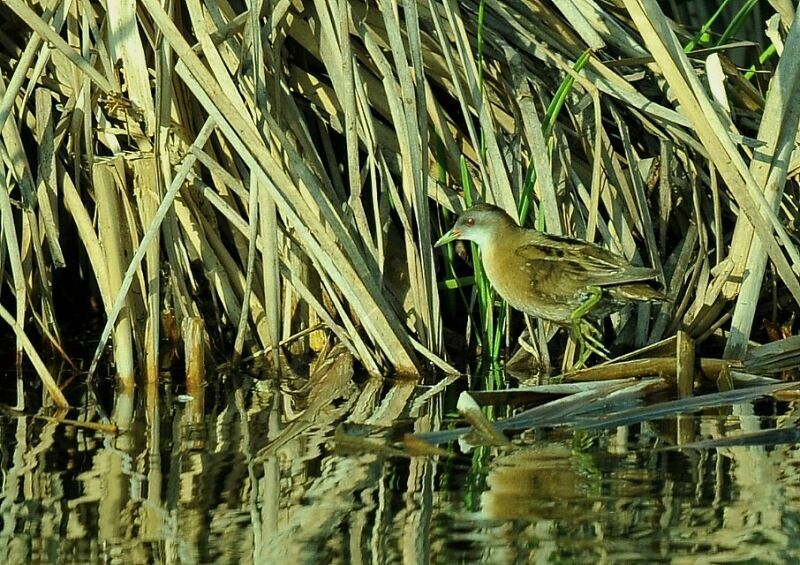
482	237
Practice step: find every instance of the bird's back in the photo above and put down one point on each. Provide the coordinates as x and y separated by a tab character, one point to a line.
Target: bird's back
550	276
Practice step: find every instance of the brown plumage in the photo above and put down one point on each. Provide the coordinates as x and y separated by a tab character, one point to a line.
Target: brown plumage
549	276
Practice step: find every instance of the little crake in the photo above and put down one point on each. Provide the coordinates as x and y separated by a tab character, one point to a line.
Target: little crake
551	277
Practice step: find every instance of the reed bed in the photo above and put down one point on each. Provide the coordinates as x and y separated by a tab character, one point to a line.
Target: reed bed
224	176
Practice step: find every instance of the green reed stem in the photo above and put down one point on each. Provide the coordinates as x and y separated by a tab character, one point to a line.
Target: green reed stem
737	21
763	58
526	195
702	36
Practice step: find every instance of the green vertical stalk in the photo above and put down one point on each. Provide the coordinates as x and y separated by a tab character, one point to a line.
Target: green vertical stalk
701	37
526	195
481	17
737	21
491	334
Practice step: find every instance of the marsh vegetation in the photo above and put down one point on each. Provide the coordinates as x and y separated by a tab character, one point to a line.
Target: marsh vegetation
231	206
207	177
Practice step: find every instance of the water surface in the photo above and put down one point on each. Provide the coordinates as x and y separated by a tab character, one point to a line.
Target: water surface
261	472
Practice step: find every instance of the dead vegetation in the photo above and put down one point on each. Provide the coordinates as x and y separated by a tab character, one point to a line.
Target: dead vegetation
251	172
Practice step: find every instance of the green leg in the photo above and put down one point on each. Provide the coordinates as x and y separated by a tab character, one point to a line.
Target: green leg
584	351
583	332
595	296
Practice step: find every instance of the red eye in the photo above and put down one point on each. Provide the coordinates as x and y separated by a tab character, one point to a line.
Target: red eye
470	221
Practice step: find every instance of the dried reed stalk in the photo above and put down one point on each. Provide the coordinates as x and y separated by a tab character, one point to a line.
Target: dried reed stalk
290	167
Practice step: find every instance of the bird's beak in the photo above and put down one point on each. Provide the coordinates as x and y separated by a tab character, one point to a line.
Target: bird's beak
452	235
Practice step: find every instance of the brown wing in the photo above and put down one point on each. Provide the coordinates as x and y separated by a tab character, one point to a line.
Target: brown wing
579	262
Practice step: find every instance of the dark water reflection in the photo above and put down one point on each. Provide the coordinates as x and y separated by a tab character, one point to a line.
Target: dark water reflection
231	482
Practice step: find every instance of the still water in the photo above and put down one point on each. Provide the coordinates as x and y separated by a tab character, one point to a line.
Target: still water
256	472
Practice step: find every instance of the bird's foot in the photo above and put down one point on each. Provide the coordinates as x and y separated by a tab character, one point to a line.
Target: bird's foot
593	339
585	335
587	338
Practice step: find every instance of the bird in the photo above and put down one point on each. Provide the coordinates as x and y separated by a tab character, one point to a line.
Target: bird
568	281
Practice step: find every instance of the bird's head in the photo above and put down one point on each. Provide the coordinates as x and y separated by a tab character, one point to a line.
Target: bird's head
480	224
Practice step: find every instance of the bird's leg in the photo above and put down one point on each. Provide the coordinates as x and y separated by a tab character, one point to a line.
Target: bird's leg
586	336
583	351
594	298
